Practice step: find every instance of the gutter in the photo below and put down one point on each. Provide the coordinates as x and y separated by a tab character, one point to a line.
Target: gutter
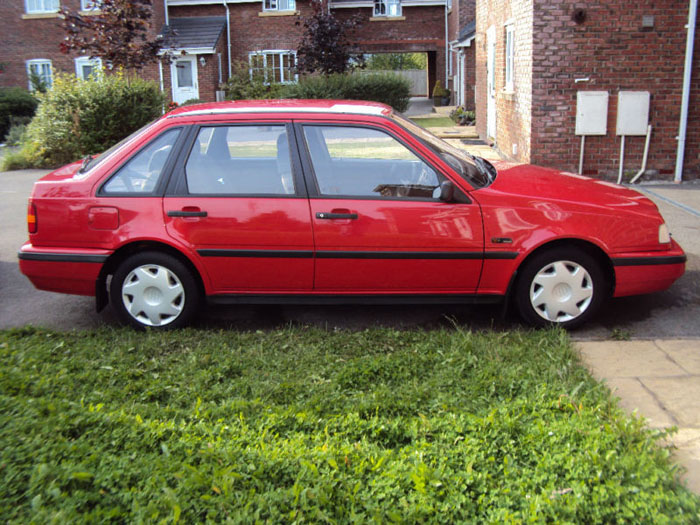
683	127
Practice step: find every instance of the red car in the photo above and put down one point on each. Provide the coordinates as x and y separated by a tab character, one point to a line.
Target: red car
332	202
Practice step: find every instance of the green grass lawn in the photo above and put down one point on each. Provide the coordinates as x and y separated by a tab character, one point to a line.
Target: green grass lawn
305	425
434	122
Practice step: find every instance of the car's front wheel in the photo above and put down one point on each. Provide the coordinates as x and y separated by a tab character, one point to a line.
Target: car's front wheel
153	289
562	286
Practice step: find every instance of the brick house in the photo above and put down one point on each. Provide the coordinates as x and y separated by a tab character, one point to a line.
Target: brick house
217	35
533	56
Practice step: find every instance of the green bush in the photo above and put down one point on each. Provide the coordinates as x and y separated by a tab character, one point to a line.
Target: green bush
80	117
242	87
15	102
386	88
18	125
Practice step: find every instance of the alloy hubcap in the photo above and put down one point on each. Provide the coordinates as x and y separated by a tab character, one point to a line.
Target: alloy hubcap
153	295
561	291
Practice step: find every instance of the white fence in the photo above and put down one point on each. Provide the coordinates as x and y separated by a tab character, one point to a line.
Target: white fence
417	77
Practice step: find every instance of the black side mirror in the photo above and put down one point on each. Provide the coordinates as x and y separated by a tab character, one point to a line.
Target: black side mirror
447	191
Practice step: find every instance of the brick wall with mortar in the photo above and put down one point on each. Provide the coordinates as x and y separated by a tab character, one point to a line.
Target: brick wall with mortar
612	49
513	108
467	13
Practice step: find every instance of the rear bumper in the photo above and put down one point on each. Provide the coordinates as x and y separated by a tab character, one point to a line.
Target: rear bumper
641	273
62	270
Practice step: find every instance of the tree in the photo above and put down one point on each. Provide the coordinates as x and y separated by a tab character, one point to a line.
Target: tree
325	47
397	61
118	34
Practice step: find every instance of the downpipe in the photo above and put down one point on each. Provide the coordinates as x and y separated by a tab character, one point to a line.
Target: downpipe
683	127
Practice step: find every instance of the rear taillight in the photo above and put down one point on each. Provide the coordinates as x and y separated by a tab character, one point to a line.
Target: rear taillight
31	218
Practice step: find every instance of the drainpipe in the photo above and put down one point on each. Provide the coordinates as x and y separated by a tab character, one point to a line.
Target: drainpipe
447	48
692	15
228	37
165	7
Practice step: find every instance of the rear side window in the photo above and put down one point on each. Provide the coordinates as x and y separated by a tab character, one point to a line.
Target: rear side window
363	162
141	173
240	160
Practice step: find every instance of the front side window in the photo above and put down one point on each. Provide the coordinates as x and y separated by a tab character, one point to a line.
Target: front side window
273	66
141	173
279	5
42	6
40	74
510	55
363	162
387	8
87	68
240	160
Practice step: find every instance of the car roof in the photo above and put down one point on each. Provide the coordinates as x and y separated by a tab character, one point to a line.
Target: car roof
353	107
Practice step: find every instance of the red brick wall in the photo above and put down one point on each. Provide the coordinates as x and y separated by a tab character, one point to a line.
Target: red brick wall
616	53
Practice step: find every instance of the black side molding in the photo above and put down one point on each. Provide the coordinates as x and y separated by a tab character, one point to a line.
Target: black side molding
62	257
654	260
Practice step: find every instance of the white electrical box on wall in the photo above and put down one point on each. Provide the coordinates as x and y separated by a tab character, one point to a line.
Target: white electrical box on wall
632	112
592	112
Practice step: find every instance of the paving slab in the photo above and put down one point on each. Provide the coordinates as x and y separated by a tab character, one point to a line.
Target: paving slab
455	132
634	397
680	396
684	352
609	359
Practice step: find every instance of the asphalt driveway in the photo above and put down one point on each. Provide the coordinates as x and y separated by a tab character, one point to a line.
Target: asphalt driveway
670	314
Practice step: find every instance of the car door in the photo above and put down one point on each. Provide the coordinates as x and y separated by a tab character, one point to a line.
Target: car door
379	224
238	200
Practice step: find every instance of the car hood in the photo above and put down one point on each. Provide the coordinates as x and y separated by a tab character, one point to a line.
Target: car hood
544	184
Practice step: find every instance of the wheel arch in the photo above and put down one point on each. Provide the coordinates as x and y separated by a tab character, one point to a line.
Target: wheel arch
125	251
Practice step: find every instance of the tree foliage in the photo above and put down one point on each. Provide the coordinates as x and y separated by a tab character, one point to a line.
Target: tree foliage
119	33
326	47
397	61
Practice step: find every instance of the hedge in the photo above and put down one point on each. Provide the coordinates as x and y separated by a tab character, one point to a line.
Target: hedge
15	102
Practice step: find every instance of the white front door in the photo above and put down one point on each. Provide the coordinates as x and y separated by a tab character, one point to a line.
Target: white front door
462	79
183	72
491	82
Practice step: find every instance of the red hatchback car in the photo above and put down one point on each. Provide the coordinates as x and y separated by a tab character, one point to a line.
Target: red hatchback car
332	202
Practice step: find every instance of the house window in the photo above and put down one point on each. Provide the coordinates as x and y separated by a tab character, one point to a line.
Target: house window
510	55
279	5
39	72
387	8
273	66
42	6
86	67
90	5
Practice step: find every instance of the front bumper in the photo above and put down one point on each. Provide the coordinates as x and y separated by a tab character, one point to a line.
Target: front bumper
648	272
63	270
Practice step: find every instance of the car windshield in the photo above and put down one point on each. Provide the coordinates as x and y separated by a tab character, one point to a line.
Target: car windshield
476	171
89	162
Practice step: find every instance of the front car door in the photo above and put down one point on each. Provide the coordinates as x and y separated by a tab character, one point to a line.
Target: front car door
237	199
379	225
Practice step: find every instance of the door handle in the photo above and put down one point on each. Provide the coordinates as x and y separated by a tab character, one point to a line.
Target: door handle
332	215
186	213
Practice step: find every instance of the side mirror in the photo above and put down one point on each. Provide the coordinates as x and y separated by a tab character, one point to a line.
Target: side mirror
447	191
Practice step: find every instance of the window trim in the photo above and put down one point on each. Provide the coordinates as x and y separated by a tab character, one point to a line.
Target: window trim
310	174
39	62
387	4
86	60
85	8
43	10
509	52
277	9
264	53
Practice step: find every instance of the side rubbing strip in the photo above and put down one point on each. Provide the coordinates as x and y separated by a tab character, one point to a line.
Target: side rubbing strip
62	257
277	254
649	261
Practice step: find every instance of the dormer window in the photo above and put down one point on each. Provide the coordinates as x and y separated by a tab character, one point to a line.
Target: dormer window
387	8
279	5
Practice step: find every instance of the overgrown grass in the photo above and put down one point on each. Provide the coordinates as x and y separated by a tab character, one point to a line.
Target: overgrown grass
305	425
434	122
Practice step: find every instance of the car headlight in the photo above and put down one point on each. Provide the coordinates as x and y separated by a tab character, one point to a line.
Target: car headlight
664	234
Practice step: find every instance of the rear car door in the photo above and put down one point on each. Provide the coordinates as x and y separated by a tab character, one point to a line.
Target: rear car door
379	225
238	200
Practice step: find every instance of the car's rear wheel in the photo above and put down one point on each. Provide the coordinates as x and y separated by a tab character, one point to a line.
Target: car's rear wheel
562	286
156	290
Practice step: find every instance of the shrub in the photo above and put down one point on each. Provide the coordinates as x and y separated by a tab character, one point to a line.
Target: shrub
386	88
80	117
15	102
18	125
242	87
462	116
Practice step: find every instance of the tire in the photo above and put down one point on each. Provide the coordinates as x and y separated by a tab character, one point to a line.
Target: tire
560	287
154	290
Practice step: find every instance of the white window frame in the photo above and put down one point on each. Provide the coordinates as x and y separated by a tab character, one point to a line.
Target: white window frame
96	63
38	62
510	58
279	5
391	8
90	5
41	6
265	53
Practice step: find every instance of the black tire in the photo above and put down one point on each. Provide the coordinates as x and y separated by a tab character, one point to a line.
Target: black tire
154	290
560	287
